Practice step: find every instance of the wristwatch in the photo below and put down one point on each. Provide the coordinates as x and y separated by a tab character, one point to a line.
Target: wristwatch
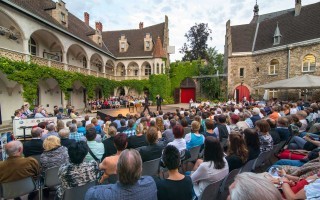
280	182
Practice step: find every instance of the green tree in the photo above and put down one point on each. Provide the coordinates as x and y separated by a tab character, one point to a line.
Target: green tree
196	46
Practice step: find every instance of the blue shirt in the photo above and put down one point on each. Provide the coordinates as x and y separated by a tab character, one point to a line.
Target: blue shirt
98	129
82	130
77	136
194	140
144	189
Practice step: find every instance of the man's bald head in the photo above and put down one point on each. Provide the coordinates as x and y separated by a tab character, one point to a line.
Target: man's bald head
129	167
36	132
14	148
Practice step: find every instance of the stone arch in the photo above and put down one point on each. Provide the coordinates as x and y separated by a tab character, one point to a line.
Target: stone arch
77	56
11	34
146	69
133	69
49	94
247	91
120	69
109	67
48	45
96	62
187	90
78	95
120	91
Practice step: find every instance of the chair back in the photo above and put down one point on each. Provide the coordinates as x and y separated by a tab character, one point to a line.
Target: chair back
224	189
37	157
264	156
211	191
78	192
151	168
278	147
248	167
194	152
17	188
51	178
138	148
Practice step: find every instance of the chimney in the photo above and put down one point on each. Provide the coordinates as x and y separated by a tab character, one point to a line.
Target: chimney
86	18
99	26
141	25
297	8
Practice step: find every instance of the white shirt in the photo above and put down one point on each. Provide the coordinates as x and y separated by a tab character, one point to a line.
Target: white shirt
180	144
207	174
216	130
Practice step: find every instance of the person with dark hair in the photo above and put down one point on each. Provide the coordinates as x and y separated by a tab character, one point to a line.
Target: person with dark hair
274	134
266	141
123	127
131	185
154	149
97	148
130	131
176	186
159	100
185	124
78	172
209	129
167	135
212	168
282	128
51	131
146	103
109	164
179	142
35	145
253	143
222	130
237	154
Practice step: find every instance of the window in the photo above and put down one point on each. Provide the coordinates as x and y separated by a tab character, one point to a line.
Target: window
273	93
257	69
309	63
32	47
158	68
136	72
84	62
123	45
147	70
274	67
147	44
241	72
63	17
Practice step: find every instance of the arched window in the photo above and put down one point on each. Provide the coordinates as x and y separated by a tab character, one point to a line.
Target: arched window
147	70
162	69
84	62
274	67
309	63
32	47
158	68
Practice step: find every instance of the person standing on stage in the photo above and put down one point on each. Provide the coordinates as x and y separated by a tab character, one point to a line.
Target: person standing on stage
159	101
146	103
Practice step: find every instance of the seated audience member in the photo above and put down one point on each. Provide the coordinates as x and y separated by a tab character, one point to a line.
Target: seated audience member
234	119
302	115
160	126
212	168
185	124
275	113
51	131
282	128
176	186
274	134
35	145
255	115
248	120
250	186
39	114
43	126
78	172
266	141
73	114
139	139
194	138
98	136
222	130
307	143
64	137
131	185
74	134
97	148
237	154
252	142
17	167
123	126
54	154
131	128
179	142
60	125
209	129
109	148
167	135
100	121
86	121
154	149
94	121
242	124
81	128
109	164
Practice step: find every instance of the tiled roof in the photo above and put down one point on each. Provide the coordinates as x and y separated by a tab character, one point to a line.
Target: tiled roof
242	37
75	26
293	29
135	38
158	51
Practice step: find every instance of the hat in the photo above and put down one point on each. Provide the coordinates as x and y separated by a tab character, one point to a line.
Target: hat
256	111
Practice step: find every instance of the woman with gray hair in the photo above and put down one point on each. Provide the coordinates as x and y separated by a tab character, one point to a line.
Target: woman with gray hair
64	137
250	186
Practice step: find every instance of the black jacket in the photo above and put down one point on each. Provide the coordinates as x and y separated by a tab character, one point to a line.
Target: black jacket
67	142
151	152
33	147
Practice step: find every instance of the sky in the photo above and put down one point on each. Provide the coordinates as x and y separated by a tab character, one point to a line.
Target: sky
126	14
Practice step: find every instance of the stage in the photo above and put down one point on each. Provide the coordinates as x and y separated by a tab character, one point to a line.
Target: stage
124	111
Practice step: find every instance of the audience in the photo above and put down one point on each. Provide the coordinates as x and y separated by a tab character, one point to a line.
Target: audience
252	142
266	141
138	140
64	137
237	154
51	131
35	145
131	185
154	149
74	134
97	148
109	148
194	138
167	135
179	142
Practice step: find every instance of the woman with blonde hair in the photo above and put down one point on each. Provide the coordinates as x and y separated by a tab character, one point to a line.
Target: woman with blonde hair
54	154
160	126
139	139
60	125
194	138
237	154
105	130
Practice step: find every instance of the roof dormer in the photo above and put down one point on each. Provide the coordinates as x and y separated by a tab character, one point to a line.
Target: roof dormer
60	13
97	37
277	36
123	44
148	43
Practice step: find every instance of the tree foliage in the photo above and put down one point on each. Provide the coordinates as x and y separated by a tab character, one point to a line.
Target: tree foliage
196	46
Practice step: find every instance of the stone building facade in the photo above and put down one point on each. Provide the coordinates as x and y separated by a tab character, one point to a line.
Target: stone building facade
272	47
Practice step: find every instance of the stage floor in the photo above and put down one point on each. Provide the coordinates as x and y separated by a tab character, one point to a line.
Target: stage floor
124	111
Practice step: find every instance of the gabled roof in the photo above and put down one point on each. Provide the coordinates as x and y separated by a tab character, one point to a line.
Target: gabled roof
293	29
135	38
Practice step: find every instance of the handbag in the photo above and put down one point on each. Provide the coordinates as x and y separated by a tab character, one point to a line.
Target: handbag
99	173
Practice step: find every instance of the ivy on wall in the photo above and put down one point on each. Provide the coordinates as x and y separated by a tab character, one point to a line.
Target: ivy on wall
161	84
